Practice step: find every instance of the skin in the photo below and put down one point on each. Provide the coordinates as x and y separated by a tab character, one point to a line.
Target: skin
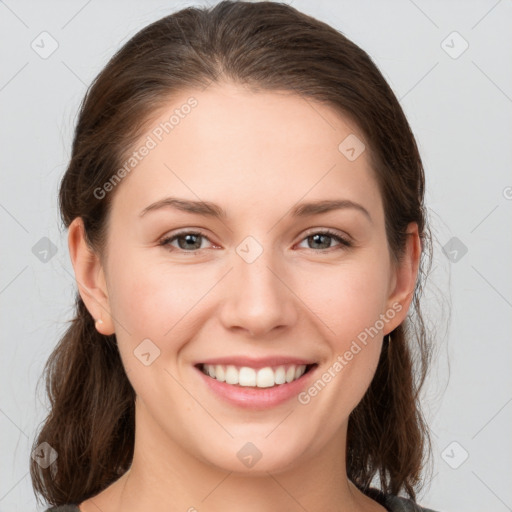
256	154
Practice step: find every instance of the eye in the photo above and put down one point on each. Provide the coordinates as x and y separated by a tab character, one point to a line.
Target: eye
188	241
324	238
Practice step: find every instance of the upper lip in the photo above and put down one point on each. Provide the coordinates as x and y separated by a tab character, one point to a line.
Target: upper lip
257	362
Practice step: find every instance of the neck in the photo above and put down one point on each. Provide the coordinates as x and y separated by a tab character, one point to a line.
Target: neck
164	476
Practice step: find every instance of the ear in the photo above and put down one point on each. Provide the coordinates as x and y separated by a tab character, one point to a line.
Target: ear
90	277
403	279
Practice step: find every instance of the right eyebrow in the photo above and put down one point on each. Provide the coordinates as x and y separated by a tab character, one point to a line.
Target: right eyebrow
199	207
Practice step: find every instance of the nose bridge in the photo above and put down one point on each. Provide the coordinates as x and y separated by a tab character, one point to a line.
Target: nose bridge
258	300
255	267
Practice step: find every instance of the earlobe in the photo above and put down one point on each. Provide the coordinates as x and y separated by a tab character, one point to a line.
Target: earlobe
404	278
102	328
90	277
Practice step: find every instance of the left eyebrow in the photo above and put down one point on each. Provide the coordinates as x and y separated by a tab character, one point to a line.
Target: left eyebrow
317	207
209	209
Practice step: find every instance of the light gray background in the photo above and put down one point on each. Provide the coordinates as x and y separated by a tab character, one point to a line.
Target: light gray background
460	110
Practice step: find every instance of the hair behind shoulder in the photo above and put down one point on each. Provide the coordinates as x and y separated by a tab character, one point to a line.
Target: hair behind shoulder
266	46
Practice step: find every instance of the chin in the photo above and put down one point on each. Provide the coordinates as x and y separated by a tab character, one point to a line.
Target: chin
257	457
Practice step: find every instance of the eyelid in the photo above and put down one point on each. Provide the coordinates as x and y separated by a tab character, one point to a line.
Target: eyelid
344	241
166	239
328	231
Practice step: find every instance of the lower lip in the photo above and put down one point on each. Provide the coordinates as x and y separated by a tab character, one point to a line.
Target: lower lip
257	398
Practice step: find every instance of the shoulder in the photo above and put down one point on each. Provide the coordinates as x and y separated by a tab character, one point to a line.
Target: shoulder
64	508
398	504
394	503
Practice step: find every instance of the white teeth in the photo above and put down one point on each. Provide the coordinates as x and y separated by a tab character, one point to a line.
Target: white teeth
220	374
265	378
249	377
280	375
299	370
231	375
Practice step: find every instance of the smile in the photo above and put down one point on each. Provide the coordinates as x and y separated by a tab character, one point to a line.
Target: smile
246	376
262	385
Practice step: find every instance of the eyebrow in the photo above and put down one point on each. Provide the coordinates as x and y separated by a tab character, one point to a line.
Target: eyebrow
210	209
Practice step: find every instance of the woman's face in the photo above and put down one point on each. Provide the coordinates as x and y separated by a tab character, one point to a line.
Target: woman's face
262	287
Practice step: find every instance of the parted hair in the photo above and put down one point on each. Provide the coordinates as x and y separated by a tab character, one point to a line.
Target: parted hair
266	46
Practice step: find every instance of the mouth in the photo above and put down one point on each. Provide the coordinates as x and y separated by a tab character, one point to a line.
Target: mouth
256	378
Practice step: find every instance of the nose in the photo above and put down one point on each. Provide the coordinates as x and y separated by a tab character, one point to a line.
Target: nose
259	298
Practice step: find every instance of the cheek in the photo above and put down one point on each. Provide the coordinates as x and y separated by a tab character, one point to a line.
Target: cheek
149	303
350	304
349	299
157	300
350	316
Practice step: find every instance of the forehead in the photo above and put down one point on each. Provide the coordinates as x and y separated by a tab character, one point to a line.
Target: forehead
230	143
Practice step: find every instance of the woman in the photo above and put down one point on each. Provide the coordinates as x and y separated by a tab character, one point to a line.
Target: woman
247	230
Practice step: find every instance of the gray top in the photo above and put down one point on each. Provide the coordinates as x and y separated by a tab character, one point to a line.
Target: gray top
388	501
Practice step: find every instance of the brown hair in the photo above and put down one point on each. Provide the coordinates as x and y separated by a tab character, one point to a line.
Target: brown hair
266	46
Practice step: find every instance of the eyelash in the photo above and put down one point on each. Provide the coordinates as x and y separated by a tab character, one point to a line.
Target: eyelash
344	243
